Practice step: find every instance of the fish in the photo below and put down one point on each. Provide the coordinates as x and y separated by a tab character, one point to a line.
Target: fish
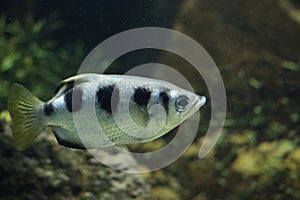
127	109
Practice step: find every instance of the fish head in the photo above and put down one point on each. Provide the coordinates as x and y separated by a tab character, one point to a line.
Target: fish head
183	104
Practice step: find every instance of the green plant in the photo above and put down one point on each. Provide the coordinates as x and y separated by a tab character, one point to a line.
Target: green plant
29	55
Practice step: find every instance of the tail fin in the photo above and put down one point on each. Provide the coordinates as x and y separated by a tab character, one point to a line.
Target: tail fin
22	106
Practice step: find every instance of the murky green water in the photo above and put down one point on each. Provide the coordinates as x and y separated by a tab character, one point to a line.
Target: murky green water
256	47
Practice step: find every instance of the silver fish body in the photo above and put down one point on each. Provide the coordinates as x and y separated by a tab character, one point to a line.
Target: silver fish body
93	110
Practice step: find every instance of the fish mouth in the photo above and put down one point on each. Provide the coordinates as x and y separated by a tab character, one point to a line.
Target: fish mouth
200	101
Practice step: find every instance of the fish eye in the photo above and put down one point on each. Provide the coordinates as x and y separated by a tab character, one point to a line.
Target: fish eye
181	103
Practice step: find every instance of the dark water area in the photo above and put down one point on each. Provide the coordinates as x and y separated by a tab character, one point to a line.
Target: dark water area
95	21
254	44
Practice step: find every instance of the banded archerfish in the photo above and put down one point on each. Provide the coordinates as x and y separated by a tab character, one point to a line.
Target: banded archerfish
150	103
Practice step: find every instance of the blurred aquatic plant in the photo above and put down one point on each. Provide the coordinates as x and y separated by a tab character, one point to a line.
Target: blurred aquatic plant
291	8
290	65
237	168
30	55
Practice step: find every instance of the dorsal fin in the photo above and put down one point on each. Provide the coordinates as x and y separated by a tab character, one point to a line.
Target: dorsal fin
63	88
68	83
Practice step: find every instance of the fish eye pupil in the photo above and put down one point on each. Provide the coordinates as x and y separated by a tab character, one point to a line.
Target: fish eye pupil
181	103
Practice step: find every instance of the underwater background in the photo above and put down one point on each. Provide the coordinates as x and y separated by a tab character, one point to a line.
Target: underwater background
256	46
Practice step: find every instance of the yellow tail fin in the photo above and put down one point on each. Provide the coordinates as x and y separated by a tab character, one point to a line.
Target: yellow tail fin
22	106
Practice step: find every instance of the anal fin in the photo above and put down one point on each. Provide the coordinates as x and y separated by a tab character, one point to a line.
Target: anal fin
65	138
